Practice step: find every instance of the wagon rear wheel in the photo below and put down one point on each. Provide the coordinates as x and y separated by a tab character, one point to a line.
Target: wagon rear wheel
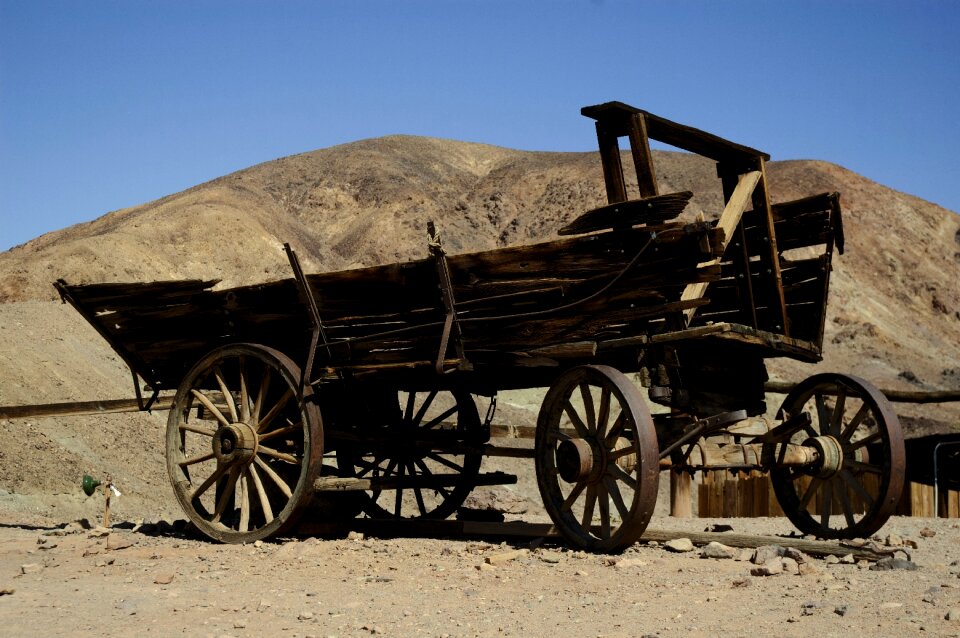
425	446
597	458
242	451
856	484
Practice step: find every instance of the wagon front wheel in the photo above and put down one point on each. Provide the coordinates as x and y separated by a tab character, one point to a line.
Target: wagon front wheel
242	450
855	485
597	459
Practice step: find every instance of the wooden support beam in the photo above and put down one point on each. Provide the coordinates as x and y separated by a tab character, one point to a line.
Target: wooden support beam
642	158
339	484
680	504
728	222
79	408
771	256
612	166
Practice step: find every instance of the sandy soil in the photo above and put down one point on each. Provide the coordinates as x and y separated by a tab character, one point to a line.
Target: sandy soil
135	583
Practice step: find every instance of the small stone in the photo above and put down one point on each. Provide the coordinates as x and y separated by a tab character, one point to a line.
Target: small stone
30	568
485	567
831	560
115	542
305	615
808	609
719	527
553	559
98	532
163	579
926	532
239	624
909	542
807	569
679	545
103	563
355	536
263	605
745	554
580	573
841	610
762	555
627	563
772	567
893	540
718	550
789	565
6	591
796	555
258	544
893	563
953	614
891	605
848	559
505	557
741	582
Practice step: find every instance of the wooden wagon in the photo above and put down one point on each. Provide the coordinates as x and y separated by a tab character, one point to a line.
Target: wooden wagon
357	391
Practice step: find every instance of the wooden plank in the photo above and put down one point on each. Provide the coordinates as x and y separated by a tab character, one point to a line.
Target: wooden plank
728	222
680	503
79	408
612	165
649	210
346	484
642	158
771	257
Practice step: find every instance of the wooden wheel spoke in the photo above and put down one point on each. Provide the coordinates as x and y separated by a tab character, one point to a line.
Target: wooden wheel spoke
603	501
578	424
616	497
588	407
417	492
197	429
208	404
826	504
620	474
439	419
622	452
615	431
859	466
836	419
810	491
244	392
408	411
423	408
603	416
275	410
867	440
439	459
857	487
262	494
588	506
847	508
287	429
227	494
398	501
210	480
227	395
823	413
855	422
261	395
573	496
196	459
269	471
244	501
282	456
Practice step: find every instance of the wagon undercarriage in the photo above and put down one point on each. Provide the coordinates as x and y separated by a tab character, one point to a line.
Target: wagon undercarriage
354	391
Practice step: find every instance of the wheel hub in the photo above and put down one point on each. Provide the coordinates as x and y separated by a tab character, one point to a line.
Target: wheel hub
830	453
235	443
575	460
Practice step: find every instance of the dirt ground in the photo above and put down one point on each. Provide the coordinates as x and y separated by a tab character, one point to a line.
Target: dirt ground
69	582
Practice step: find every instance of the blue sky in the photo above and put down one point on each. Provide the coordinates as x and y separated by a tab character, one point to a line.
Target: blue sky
105	105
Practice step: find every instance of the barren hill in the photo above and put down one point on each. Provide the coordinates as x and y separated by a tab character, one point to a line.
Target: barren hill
894	307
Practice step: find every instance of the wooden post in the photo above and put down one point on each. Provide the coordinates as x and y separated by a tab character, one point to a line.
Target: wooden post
680	503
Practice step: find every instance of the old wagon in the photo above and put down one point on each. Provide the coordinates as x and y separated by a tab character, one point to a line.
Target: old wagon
358	391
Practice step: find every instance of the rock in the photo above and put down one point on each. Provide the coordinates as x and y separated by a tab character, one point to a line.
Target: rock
772	567
789	565
115	542
30	568
627	563
263	605
807	569
796	555
893	563
893	540
926	532
99	532
679	545
485	567
500	500
891	605
831	560
305	615
909	542
355	536
953	614
553	559
718	550
6	591
841	610
259	544
505	557
741	582
762	555
848	559
239	624
163	579
807	609
744	554
718	527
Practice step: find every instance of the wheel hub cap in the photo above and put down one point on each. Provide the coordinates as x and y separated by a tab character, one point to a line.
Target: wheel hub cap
830	453
574	460
235	443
